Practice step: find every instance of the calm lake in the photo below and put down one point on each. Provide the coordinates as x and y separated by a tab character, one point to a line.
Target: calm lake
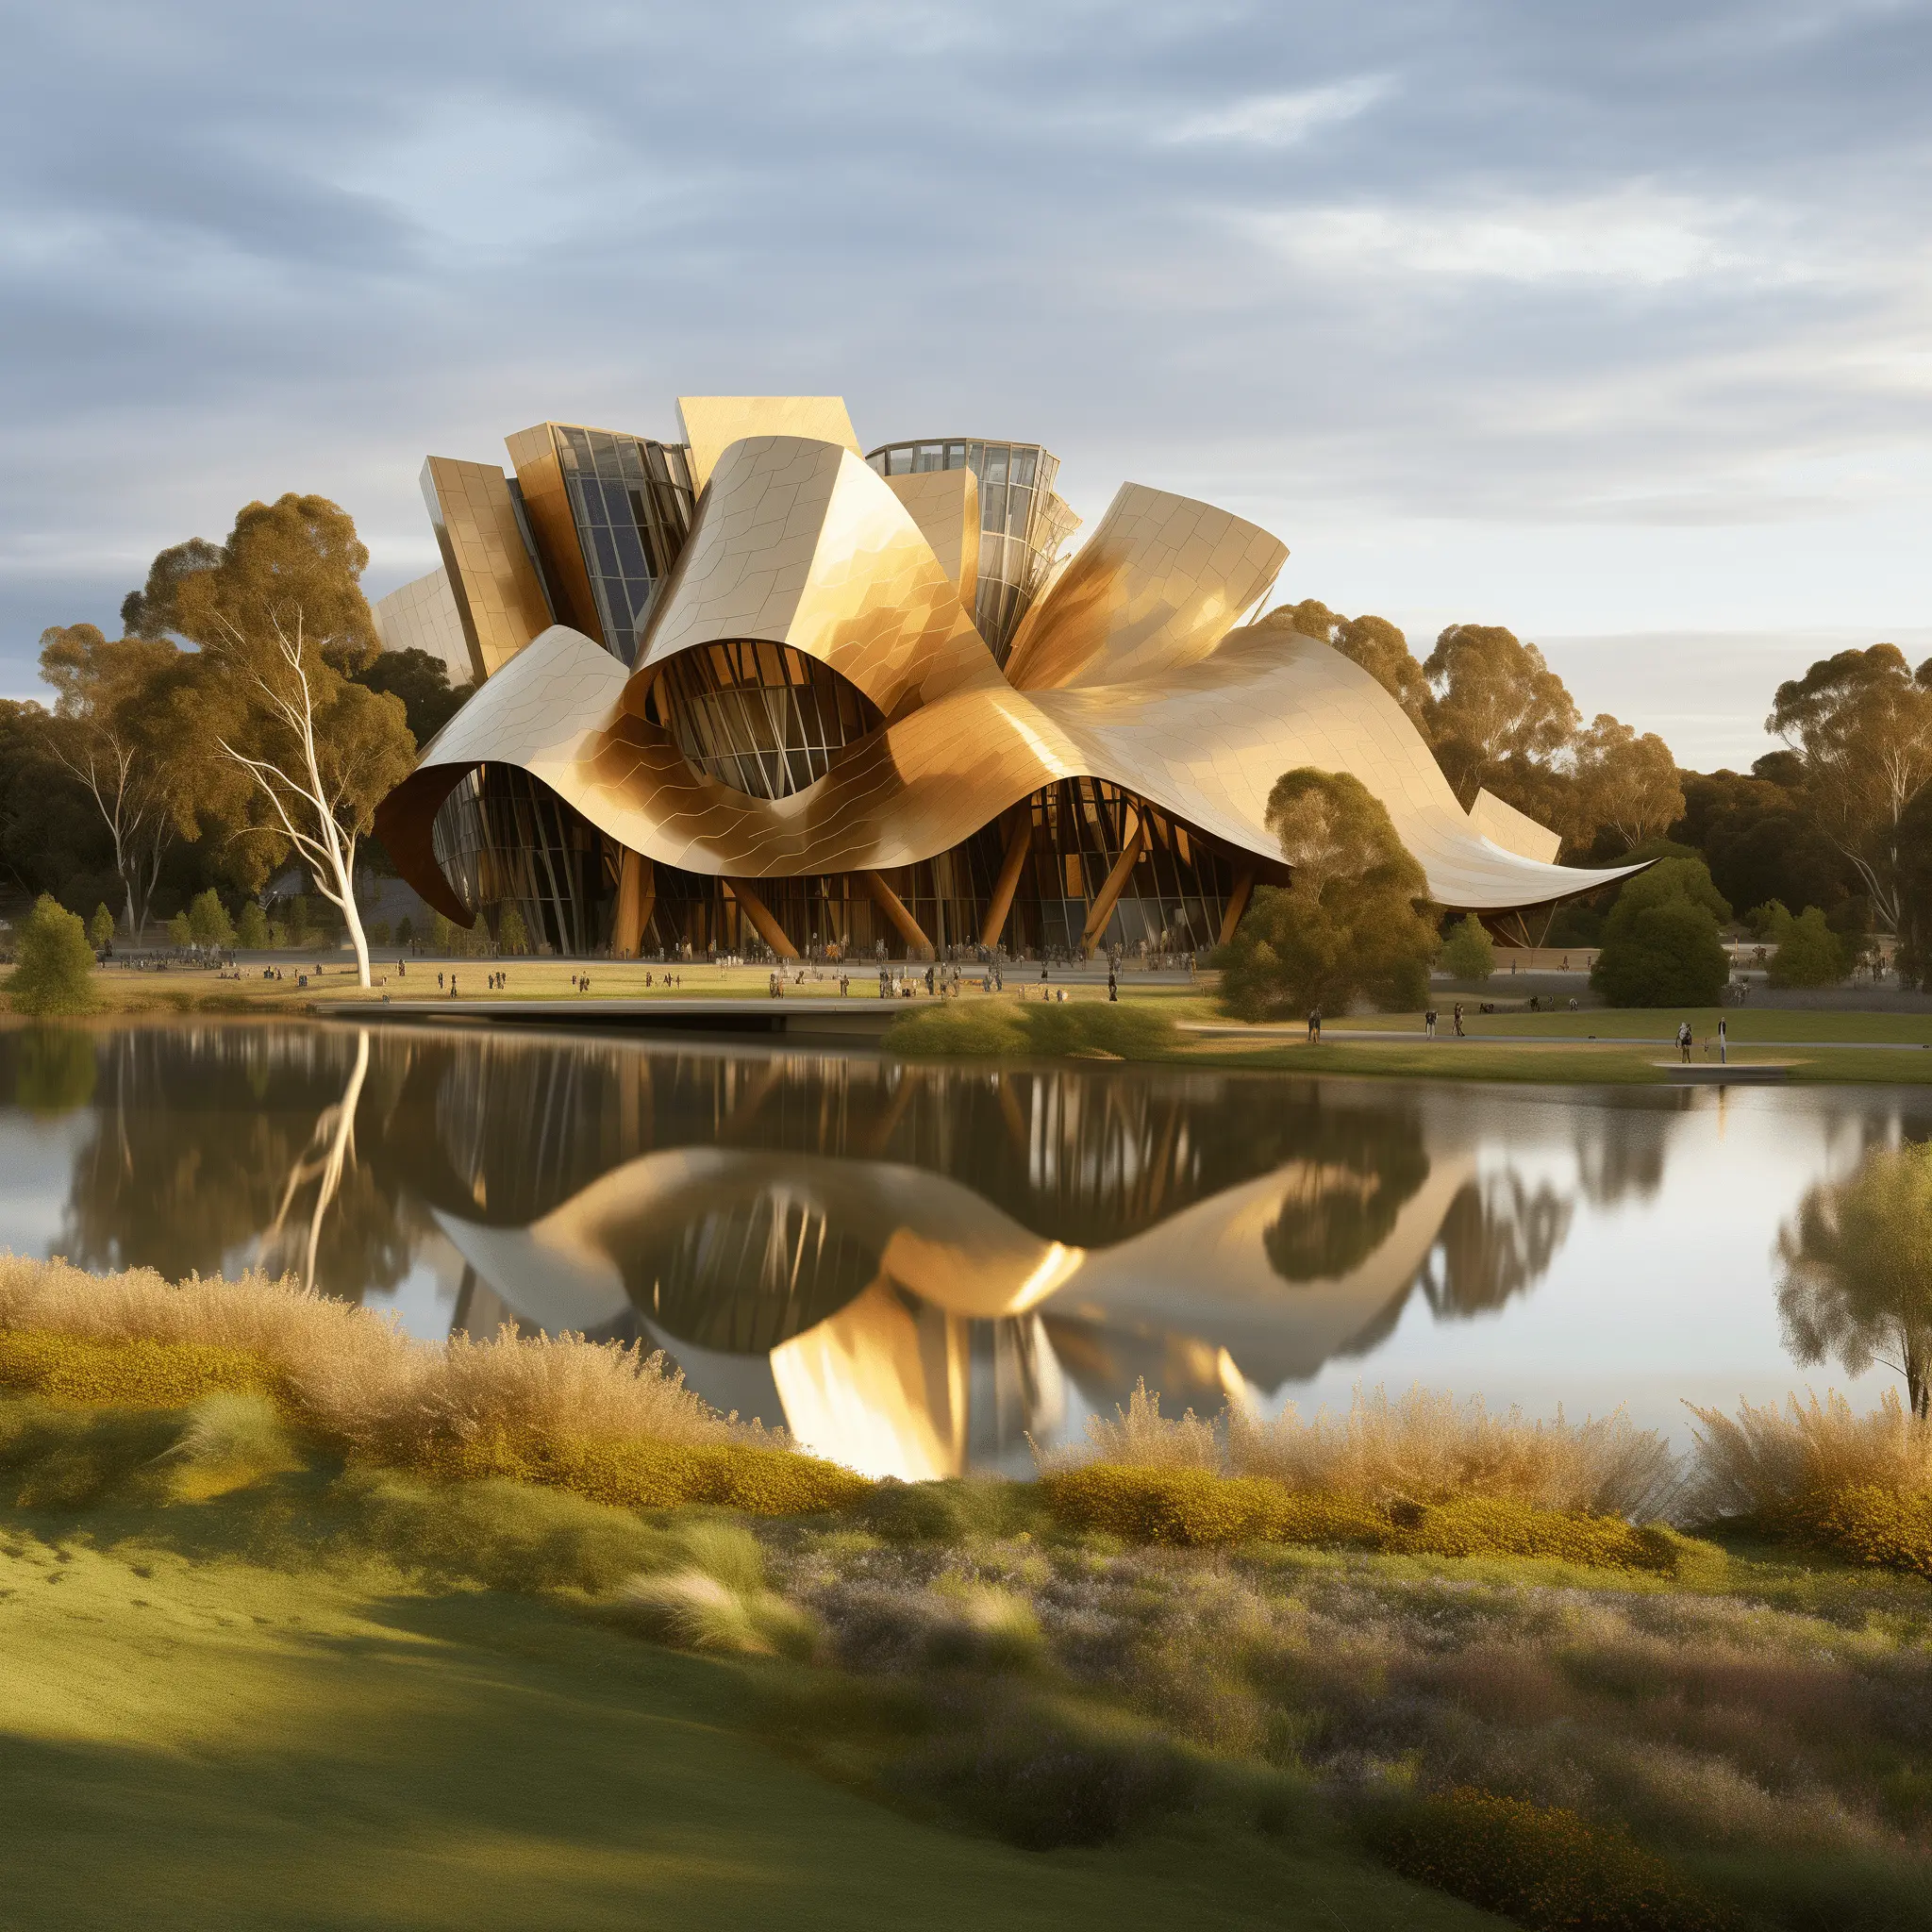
915	1267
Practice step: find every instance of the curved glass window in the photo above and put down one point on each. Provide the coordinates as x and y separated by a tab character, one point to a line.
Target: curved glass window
761	718
1023	522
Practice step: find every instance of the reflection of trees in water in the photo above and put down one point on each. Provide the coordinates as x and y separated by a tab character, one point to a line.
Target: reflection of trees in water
49	1070
1349	1171
1858	1262
196	1131
1622	1143
1497	1240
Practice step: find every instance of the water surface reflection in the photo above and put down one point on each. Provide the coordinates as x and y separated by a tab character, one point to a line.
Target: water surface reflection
919	1268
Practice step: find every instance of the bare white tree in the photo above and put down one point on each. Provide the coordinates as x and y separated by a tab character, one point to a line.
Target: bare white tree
317	751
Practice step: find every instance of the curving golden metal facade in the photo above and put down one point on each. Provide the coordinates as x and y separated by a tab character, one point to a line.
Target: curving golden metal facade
1133	727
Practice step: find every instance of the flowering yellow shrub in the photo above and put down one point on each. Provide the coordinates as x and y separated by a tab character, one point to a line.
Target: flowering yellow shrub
636	1474
137	1373
1868	1524
1190	1508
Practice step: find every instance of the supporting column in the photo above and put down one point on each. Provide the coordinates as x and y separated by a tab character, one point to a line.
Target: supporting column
1101	909
1019	842
759	914
637	893
894	908
1237	903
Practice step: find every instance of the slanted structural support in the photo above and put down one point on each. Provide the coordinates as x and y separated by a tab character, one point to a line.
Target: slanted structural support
896	910
1115	883
760	916
1019	841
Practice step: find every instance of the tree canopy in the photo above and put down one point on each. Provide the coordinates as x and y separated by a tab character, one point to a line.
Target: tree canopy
285	746
1860	723
1660	942
1495	698
429	701
1351	924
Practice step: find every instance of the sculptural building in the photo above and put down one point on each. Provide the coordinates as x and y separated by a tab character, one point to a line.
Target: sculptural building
756	688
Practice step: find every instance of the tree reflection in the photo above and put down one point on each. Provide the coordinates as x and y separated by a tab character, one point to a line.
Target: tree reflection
1857	1280
1497	1240
1621	1142
1349	1171
196	1132
54	1069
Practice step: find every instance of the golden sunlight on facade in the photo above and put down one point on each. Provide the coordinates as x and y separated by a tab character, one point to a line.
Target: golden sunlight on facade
753	690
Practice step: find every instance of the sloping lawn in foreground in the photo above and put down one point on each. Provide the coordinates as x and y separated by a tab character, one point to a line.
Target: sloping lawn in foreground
194	1739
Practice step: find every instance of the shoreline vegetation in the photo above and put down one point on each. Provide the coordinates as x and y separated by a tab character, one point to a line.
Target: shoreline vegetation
1415	1655
1176	1025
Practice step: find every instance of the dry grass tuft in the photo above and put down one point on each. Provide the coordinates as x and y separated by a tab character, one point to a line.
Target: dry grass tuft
1139	1436
1766	1458
346	1374
1424	1447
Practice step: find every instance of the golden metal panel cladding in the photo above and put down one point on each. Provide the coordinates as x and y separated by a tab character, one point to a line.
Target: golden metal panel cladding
945	506
1129	673
713	423
498	596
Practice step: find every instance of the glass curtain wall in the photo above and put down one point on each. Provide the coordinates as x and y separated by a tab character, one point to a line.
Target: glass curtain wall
760	717
504	838
631	500
1021	521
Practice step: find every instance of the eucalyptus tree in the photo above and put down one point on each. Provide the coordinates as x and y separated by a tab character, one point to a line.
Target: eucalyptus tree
112	731
287	749
1860	723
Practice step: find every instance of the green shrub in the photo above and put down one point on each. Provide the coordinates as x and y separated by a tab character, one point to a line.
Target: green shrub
1661	944
129	1374
208	923
100	928
251	929
1809	952
56	964
1195	1507
1539	1865
1467	950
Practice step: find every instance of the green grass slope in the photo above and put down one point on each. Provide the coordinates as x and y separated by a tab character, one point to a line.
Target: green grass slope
196	1738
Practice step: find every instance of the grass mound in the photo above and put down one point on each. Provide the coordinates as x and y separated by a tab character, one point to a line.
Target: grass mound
1196	1508
1542	1866
1079	1029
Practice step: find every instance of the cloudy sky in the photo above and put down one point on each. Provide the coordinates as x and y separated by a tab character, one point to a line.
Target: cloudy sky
1612	323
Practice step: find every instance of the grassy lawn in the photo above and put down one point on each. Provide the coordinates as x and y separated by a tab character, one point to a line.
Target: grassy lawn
1591	1045
196	1739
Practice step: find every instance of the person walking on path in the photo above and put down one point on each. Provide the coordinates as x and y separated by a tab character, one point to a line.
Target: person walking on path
1723	1044
1459	1020
1430	1024
1684	1040
1315	1026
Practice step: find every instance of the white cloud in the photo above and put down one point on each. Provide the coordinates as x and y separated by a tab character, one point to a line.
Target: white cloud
1635	237
1281	119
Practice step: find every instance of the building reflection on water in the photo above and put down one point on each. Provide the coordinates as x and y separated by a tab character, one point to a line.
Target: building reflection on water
916	1268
